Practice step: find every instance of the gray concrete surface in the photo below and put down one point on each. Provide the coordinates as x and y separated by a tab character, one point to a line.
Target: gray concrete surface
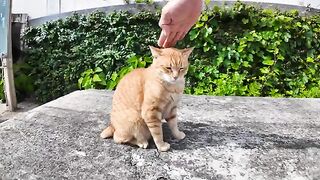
23	106
226	138
3	108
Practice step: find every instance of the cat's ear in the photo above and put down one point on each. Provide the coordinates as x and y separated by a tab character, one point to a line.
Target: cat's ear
187	51
155	51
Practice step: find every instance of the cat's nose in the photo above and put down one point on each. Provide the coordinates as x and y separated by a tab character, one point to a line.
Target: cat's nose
175	77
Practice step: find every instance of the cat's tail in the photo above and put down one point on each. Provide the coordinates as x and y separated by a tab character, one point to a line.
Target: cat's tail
108	132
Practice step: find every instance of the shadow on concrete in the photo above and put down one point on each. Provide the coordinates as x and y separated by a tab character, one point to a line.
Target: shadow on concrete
200	135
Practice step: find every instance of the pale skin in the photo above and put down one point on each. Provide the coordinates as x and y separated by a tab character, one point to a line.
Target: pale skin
177	18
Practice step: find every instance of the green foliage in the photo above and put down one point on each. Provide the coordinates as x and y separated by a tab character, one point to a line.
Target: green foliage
248	51
2	96
131	64
242	50
96	79
22	80
144	1
139	1
92	79
61	50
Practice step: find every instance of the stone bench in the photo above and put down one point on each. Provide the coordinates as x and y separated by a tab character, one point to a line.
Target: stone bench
226	138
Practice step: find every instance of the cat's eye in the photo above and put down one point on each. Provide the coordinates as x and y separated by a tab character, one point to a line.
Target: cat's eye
181	69
168	68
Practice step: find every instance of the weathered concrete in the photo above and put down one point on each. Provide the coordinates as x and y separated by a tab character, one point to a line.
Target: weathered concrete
227	138
23	106
138	7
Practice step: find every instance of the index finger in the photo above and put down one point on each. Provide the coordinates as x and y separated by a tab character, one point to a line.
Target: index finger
162	39
165	33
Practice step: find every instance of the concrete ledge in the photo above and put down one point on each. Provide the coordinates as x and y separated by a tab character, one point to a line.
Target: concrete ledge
135	8
227	138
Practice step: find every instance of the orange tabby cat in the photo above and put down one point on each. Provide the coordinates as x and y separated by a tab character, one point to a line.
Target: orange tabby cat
146	96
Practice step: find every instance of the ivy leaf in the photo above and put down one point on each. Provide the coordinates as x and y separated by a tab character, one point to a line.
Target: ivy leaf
147	59
287	36
204	17
132	59
80	82
97	70
246	64
96	78
206	48
111	85
310	59
250	57
194	34
201	75
199	24
103	82
88	84
114	76
209	30
268	61
306	27
280	57
142	64
241	47
124	71
298	24
245	21
264	70
87	72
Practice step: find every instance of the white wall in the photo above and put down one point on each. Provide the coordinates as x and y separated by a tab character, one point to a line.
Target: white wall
35	8
313	3
72	5
39	8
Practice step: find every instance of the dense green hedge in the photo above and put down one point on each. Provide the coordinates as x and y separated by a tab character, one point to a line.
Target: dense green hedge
255	52
2	95
241	50
61	50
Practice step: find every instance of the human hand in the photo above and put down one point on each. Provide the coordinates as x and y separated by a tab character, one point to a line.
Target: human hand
177	17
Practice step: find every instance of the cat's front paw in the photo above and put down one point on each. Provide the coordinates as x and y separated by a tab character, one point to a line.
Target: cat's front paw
164	146
180	135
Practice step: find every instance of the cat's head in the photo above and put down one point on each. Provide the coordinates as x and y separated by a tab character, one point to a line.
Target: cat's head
171	63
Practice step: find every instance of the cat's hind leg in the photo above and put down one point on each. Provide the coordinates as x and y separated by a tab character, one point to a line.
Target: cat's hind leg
121	138
141	143
107	132
141	135
122	121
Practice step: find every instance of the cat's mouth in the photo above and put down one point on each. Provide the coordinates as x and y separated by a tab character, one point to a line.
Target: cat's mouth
172	80
169	79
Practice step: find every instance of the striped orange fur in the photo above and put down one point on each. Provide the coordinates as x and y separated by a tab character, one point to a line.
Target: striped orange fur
146	96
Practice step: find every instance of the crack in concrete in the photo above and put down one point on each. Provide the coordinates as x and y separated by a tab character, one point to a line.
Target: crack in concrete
136	173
